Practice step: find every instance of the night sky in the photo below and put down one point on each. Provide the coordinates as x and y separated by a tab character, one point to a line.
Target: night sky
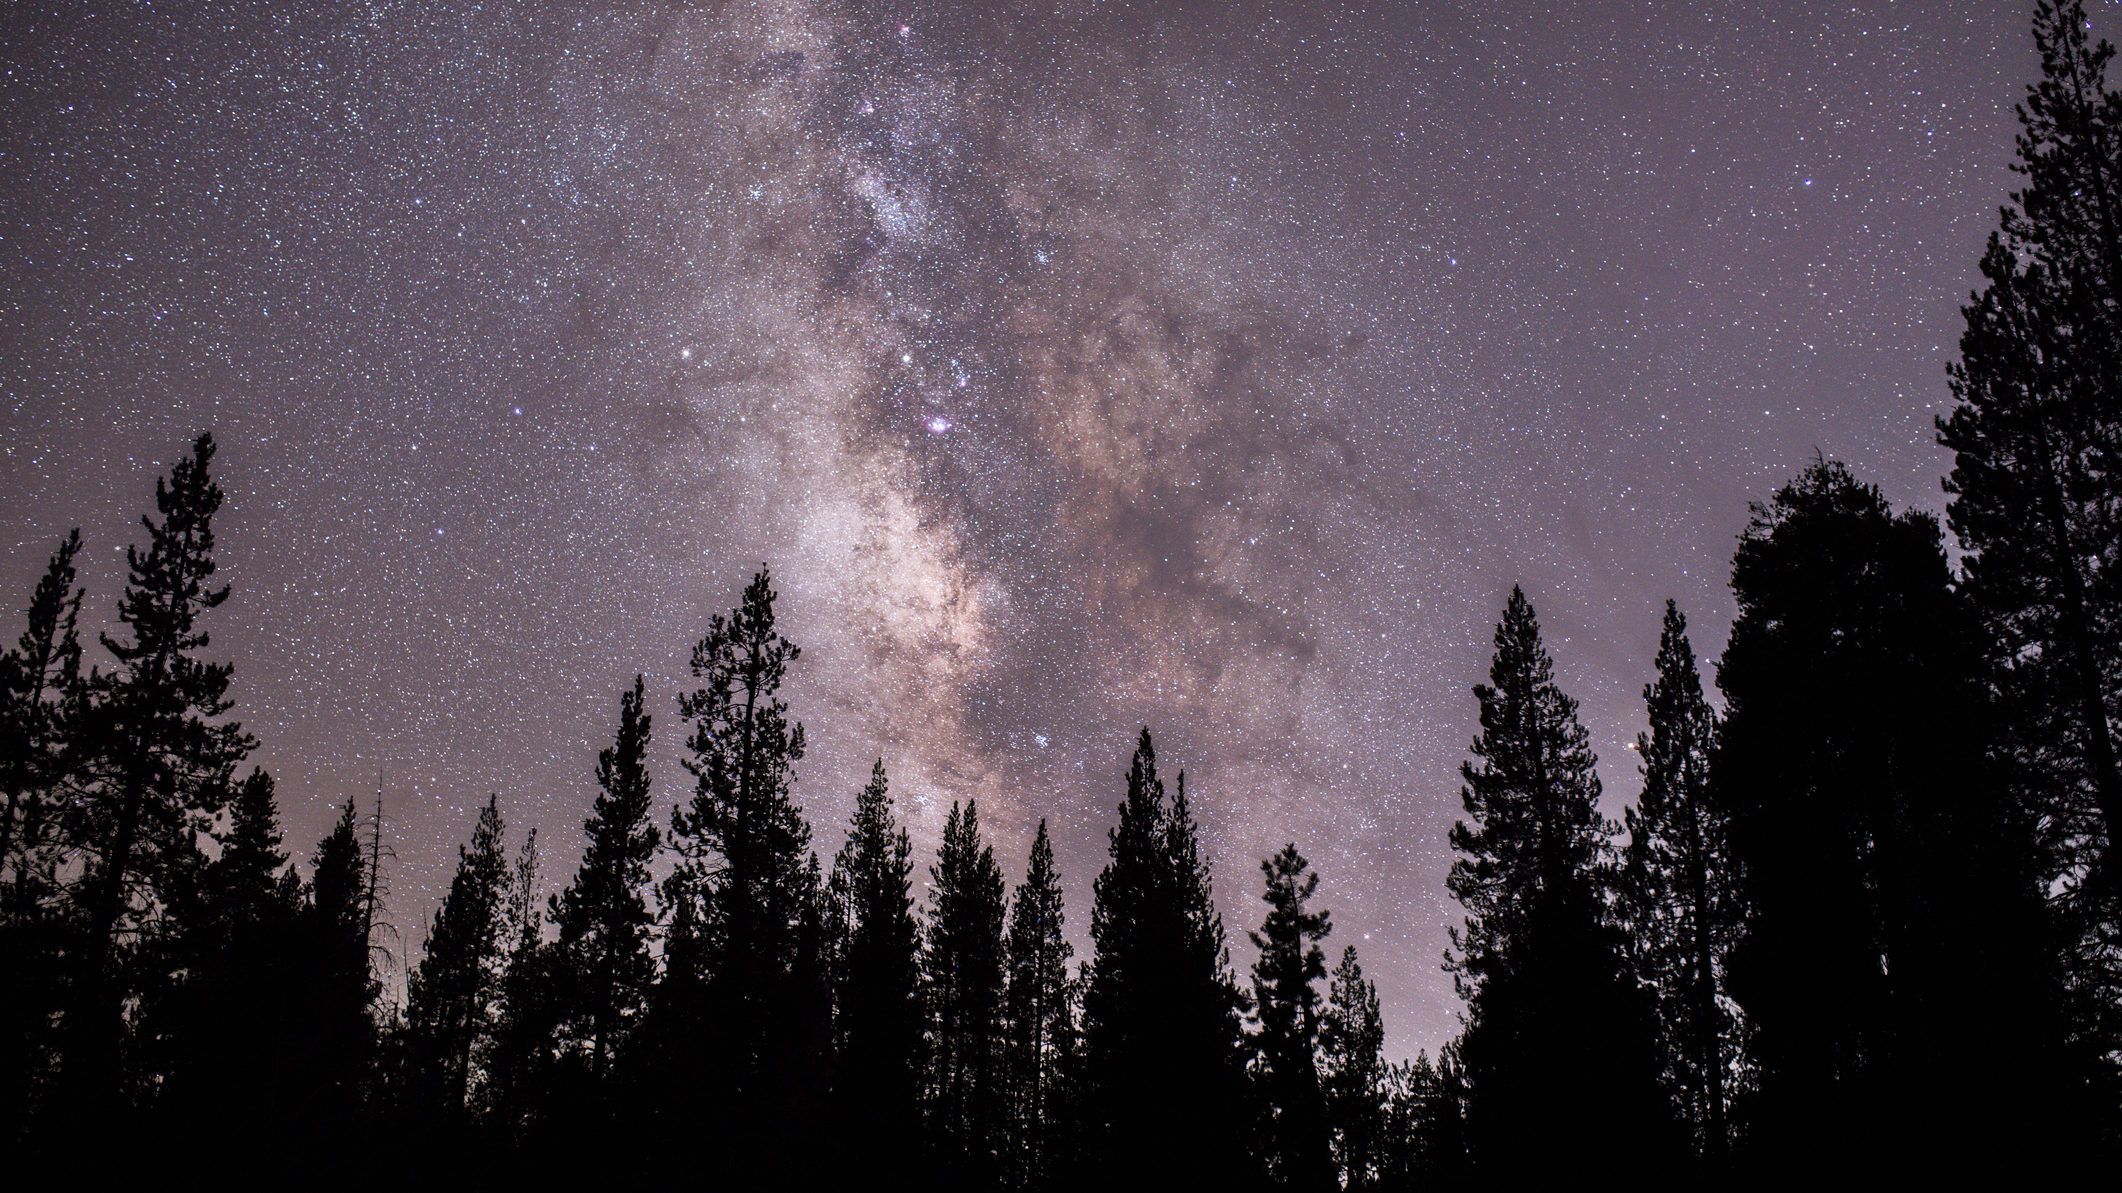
1076	366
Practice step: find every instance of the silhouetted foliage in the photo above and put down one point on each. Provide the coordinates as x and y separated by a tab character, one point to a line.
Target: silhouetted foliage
1558	1045
223	1030
1425	1124
1353	1074
1295	1147
520	1064
41	694
1889	893
745	907
334	1036
602	964
158	766
2036	504
1678	900
1042	1048
877	980
453	995
961	979
1163	1061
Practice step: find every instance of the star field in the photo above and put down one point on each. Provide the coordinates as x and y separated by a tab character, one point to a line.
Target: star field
1076	366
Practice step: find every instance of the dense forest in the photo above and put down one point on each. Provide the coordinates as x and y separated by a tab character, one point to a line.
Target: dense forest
1863	918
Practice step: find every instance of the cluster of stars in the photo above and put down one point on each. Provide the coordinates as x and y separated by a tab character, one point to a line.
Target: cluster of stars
1099	367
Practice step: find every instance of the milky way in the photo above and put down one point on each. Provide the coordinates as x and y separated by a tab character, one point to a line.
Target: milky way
1075	366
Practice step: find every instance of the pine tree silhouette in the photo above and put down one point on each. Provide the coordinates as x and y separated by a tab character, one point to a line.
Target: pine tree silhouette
2037	497
40	691
604	966
41	695
334	1035
522	1073
1352	1075
1163	1060
1286	1007
1864	856
1678	896
1426	1144
1557	1044
453	993
961	979
162	759
222	1034
1042	1047
1889	891
877	983
744	901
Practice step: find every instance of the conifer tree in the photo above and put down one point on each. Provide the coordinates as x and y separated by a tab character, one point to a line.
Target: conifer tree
1678	898
245	878
748	881
1161	1010
1425	1143
605	966
657	1077
164	754
1041	1047
1352	1075
40	686
223	1035
333	1031
452	994
877	984
1286	974
1889	888
40	701
1212	1007
961	977
803	1082
518	1061
1556	1044
2036	489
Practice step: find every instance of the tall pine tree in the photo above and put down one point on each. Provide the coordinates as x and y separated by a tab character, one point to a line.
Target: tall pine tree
877	987
225	1033
744	898
1163	1058
334	1032
1286	974
520	1060
1889	889
41	694
961	977
605	968
1425	1143
1352	1075
453	994
164	754
1678	895
2036	489
40	688
1041	1047
1557	1048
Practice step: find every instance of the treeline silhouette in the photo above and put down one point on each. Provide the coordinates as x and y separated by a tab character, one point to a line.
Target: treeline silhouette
1861	923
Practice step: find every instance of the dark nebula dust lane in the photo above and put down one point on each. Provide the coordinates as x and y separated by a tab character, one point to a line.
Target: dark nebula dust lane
1076	367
